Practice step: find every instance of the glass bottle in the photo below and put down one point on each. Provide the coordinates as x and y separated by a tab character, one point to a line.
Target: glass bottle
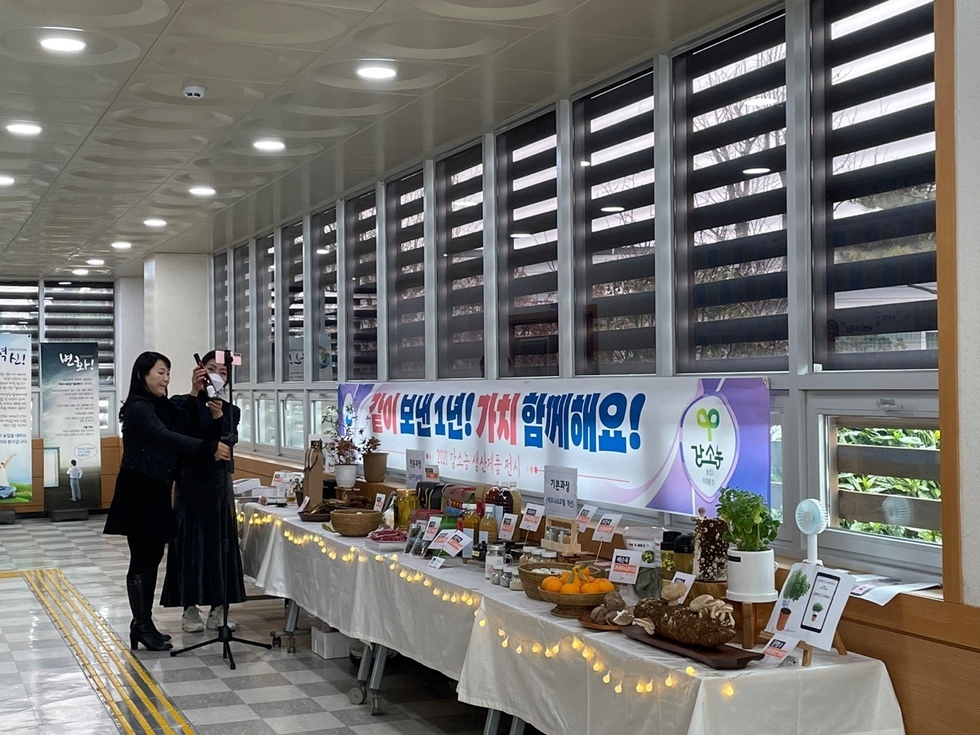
491	499
684	554
470	525
517	500
667	553
495	555
488	528
506	500
406	503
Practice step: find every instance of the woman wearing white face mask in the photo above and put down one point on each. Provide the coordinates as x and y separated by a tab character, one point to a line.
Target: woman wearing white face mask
205	508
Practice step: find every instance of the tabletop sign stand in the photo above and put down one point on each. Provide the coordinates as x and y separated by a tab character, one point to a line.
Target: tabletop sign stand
569	525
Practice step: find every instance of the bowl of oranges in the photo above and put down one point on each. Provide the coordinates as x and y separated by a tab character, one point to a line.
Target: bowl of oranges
574	590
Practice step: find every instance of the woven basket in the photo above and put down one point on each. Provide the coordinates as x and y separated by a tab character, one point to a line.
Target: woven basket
532	582
354	521
571	606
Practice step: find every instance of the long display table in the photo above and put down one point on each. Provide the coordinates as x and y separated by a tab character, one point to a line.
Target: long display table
509	654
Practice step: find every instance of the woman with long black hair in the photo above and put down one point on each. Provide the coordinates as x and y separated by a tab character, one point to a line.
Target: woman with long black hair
141	508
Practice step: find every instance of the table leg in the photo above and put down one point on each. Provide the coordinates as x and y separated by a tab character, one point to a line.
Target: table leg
748	625
517	726
374	684
358	695
492	723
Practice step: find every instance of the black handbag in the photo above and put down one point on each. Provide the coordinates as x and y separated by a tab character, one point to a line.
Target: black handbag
430	494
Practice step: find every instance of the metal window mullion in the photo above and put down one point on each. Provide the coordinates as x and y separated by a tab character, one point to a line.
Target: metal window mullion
491	284
430	261
41	327
281	339
343	290
663	197
381	279
566	248
232	302
253	317
309	303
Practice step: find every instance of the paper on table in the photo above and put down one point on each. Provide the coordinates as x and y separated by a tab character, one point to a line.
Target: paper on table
882	590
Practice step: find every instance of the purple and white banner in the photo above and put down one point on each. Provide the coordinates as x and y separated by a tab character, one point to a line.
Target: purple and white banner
668	444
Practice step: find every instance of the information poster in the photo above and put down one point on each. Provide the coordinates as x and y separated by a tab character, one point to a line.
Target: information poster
70	422
16	471
669	444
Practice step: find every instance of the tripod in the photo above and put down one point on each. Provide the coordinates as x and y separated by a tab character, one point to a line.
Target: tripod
224	633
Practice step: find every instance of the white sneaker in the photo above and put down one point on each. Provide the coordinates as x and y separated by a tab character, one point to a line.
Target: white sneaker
190	621
214	620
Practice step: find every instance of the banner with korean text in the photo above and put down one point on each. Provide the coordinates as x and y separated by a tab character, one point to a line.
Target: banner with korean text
70	423
668	444
16	466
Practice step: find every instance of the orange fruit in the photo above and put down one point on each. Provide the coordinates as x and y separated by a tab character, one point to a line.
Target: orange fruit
605	586
564	577
551	584
570	589
590	588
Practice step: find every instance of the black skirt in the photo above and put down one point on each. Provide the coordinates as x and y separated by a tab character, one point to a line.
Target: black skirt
204	564
141	506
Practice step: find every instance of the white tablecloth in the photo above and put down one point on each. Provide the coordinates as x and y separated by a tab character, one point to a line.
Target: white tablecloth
368	596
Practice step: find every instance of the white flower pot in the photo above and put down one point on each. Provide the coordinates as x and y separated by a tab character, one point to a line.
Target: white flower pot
751	576
345	475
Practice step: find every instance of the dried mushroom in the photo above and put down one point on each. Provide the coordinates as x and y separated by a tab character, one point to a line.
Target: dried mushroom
673	591
648	627
598	614
622	618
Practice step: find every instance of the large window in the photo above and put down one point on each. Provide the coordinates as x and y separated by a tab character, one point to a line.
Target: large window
220	291
19	315
614	230
293	299
243	310
83	311
265	283
527	192
875	219
324	234
459	238
406	277
731	202
362	290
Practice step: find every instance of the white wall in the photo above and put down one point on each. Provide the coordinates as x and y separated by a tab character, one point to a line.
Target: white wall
129	330
177	319
968	295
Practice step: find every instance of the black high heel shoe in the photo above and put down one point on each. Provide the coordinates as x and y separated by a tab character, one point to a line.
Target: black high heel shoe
141	629
146	634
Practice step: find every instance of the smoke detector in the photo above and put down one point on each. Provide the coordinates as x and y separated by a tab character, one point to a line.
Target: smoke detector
194	91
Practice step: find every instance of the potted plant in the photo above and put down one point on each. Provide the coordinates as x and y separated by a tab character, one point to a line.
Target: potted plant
795	587
751	528
817	609
346	444
375	462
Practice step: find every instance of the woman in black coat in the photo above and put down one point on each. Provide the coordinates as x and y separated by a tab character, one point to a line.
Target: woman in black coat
141	508
204	563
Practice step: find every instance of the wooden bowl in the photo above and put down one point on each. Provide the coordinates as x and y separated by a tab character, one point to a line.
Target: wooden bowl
355	521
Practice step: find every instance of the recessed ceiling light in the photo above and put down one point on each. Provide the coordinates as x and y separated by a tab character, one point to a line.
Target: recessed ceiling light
95	261
269	144
322	251
612	210
6	180
584	164
202	191
756	171
122	245
64	283
63	44
24	128
80	271
516	235
376	71
155	222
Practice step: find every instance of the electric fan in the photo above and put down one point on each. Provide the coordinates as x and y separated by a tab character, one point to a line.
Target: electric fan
812	519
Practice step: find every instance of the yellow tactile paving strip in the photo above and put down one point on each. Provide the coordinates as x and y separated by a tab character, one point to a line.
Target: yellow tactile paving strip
136	701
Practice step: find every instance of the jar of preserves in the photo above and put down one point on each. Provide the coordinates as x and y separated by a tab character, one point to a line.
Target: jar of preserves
406	503
496	553
527	555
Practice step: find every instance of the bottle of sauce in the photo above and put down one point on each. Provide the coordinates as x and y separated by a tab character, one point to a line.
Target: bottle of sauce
469	524
491	501
488	529
506	500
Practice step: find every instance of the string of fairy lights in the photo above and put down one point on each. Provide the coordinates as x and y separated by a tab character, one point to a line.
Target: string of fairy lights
569	647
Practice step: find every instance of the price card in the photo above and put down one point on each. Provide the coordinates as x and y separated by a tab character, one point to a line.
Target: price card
607	527
532	517
779	647
507	527
560	490
584	516
306	502
436	562
625	566
438	543
432	472
456	542
688	580
414	470
432	528
379	501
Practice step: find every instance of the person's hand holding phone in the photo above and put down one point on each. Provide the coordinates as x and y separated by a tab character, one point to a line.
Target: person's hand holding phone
199	376
214	406
223	453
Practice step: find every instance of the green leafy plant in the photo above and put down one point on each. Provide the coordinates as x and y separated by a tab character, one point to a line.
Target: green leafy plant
817	607
751	526
796	586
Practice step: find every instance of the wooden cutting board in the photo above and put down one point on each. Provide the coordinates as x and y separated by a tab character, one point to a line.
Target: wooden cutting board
721	657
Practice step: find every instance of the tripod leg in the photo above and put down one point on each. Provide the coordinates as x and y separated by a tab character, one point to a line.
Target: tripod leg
196	645
228	655
267	646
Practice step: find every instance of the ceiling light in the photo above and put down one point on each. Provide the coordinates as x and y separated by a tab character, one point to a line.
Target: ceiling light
80	271
202	191
95	261
6	180
122	245
155	222
584	164
24	128
322	251
612	210
63	44
756	171
516	235
64	283
377	72
269	144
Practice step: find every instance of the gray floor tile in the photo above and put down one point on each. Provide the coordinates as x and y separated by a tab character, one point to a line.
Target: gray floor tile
286	708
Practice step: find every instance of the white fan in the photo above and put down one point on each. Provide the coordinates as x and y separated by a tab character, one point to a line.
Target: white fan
812	519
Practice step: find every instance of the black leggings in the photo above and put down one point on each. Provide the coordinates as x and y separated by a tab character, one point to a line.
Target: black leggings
145	555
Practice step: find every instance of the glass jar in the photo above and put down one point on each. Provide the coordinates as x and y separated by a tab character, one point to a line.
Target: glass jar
406	503
495	555
510	571
684	554
537	556
497	573
667	560
549	558
527	555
